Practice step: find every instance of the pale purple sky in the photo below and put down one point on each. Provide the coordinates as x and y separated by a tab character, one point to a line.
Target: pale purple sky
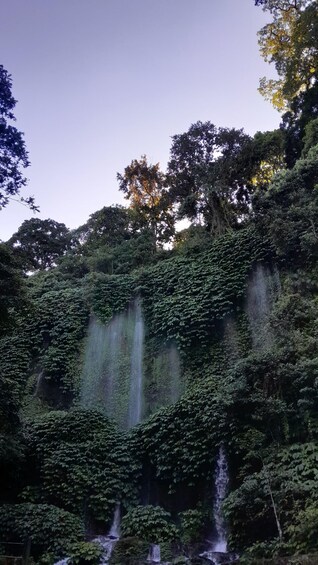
101	82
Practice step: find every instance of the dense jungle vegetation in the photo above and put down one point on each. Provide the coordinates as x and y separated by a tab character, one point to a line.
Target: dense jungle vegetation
252	207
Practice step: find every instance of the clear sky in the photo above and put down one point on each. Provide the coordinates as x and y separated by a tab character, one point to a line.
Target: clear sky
101	82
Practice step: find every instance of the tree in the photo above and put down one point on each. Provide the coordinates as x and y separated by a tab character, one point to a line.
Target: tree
39	243
146	188
267	155
303	109
208	175
289	212
290	41
13	154
109	226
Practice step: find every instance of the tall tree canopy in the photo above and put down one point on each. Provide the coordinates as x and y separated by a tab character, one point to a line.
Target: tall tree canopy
145	186
39	243
207	175
290	41
13	153
108	226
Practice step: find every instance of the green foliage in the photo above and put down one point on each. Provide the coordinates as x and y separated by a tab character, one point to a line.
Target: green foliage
290	42
39	243
192	240
310	138
150	523
290	211
109	294
106	227
84	464
51	529
188	434
14	365
267	154
303	531
208	177
185	298
57	326
287	479
13	153
124	258
192	524
86	553
145	186
259	399
12	288
129	551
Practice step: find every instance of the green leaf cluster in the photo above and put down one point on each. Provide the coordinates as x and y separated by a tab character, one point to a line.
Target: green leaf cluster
83	462
149	523
51	529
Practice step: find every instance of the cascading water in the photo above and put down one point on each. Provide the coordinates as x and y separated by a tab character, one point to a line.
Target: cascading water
136	370
108	542
112	376
221	486
263	286
154	554
118	368
115	528
164	374
217	552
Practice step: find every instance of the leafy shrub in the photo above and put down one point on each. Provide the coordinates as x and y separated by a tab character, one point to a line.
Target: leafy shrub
129	551
150	523
304	532
84	463
86	553
192	525
51	529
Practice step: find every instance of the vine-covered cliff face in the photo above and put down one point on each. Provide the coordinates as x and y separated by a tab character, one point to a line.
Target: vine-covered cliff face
124	388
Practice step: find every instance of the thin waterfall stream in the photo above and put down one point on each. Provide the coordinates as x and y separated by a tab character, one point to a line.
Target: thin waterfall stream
221	486
217	553
108	542
154	554
136	369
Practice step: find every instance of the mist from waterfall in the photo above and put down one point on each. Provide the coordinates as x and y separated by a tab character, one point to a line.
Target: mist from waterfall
136	369
263	287
112	376
120	376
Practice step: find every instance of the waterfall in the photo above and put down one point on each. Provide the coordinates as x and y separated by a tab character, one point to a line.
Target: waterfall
217	551
108	542
231	341
163	372
154	554
174	374
263	286
120	376
112	375
114	531
136	372
221	486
